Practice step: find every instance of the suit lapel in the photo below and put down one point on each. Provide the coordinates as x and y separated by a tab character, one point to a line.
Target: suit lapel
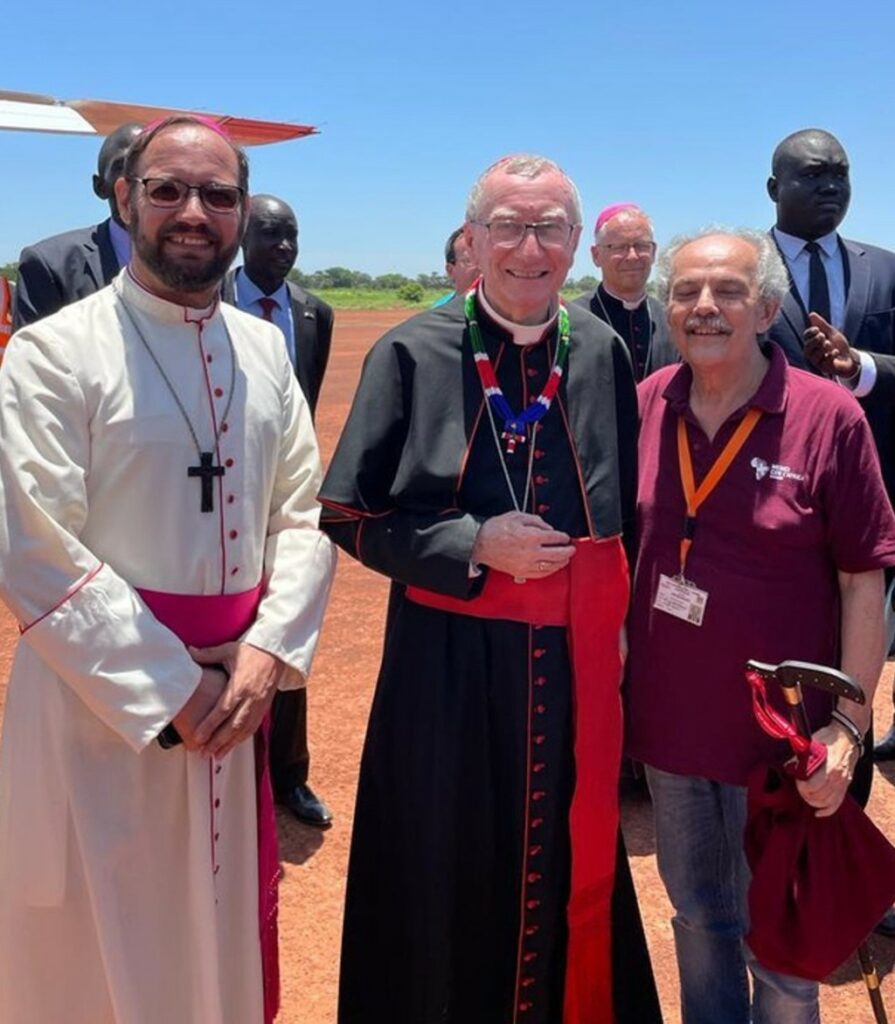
858	288
102	263
792	319
304	332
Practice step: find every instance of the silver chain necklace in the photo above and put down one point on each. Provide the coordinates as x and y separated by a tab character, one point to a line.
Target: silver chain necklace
503	461
206	470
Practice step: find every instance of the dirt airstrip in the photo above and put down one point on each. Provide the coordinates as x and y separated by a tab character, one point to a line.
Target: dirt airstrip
314	863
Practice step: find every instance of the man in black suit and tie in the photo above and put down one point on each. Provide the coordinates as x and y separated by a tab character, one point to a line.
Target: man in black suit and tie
624	250
839	315
270	248
70	266
841	283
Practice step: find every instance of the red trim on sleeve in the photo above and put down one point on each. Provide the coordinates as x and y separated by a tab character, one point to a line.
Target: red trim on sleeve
83	582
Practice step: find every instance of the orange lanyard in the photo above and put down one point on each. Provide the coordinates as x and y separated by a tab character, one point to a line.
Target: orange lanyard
696	496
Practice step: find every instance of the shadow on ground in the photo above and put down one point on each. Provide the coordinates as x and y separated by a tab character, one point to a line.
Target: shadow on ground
298	843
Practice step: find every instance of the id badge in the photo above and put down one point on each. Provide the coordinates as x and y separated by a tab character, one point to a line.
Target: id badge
680	598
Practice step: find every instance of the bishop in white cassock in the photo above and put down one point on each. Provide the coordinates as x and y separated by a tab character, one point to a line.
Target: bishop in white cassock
129	884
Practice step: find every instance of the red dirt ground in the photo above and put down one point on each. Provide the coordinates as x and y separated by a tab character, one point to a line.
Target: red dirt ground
341	688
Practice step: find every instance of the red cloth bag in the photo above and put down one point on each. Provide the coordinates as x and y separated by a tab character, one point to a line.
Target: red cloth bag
819	885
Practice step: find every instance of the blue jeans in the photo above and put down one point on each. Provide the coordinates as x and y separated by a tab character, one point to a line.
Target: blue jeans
699	848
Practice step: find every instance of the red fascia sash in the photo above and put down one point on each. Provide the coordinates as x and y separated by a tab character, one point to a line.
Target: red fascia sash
204	621
590	598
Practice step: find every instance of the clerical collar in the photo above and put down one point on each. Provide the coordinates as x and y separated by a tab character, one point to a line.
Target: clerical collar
523	334
140	297
629	306
792	246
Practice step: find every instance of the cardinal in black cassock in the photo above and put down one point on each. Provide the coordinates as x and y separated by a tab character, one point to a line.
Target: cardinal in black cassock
483	885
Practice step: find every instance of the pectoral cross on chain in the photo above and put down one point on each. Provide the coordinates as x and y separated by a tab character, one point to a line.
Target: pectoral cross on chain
207	471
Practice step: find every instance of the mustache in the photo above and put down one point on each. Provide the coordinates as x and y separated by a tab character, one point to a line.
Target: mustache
711	324
183	228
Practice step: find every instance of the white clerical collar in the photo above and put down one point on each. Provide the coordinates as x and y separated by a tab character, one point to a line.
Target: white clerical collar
629	306
792	246
138	295
523	334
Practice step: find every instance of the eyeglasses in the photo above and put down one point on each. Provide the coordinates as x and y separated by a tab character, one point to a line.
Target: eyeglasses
507	234
170	193
623	248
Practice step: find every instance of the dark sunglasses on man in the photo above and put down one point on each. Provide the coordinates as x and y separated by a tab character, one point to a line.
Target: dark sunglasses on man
171	193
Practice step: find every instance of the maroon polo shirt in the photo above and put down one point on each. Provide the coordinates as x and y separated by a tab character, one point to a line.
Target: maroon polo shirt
802	500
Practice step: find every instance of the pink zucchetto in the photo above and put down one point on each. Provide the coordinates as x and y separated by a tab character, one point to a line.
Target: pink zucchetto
611	211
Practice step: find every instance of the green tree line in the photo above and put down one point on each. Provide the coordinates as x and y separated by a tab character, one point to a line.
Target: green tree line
342	277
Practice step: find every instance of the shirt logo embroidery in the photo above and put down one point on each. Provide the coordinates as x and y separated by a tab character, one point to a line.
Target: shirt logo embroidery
776	471
761	468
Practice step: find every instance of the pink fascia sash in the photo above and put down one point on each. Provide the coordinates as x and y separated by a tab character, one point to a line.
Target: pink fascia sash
204	621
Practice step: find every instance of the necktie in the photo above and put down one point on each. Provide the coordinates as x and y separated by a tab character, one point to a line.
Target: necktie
268	305
818	289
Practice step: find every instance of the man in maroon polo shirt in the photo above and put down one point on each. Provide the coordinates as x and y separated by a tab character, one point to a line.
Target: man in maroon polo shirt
780	555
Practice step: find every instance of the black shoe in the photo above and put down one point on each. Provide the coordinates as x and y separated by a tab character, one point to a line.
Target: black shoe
885	749
887	925
308	808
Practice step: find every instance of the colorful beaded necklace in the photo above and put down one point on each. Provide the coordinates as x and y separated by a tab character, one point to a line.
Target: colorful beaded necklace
515	426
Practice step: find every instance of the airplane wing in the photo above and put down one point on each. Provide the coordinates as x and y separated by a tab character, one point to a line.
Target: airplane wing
31	112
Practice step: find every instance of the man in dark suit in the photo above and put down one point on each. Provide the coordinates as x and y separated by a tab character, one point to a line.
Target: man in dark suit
624	250
70	266
839	315
270	248
845	284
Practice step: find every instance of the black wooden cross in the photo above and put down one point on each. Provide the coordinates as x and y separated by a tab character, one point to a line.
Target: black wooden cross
208	472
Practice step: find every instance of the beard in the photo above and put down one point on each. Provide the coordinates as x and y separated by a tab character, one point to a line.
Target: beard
188	275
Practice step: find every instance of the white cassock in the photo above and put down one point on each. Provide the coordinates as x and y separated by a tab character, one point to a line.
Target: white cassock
128	873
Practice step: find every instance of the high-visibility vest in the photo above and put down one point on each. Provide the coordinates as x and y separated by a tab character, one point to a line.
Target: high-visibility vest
5	314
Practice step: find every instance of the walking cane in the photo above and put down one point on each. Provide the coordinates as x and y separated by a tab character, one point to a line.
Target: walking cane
791	677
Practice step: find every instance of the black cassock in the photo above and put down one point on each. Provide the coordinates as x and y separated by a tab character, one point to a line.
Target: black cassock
455	910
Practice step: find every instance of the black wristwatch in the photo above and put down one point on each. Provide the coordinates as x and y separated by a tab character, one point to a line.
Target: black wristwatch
169	737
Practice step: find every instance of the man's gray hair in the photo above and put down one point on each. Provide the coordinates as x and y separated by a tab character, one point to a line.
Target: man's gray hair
772	276
525	165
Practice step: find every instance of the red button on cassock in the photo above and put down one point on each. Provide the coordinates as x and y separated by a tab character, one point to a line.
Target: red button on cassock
218	392
539	767
234	534
538	794
533	851
229	463
537	822
540	680
539	652
533	877
540	709
531	905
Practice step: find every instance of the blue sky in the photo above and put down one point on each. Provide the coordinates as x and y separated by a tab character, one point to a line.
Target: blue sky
676	106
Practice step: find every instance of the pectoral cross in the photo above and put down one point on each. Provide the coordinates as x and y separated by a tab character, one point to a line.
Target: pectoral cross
207	471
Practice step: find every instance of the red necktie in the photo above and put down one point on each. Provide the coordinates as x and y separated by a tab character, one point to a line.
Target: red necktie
268	305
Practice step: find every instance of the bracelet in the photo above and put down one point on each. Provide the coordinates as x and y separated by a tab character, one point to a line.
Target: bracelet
853	731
